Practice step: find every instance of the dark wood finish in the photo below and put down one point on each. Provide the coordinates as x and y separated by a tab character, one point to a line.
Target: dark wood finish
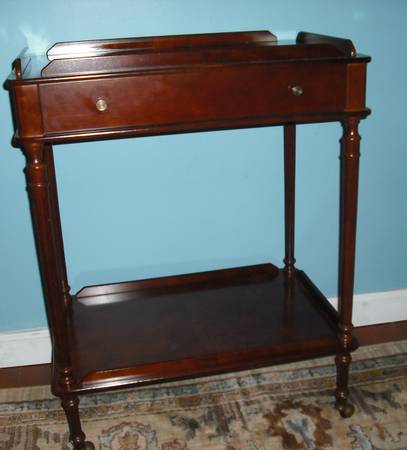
203	323
139	61
210	77
70	404
23	376
348	208
47	232
380	333
216	95
64	50
355	96
57	230
150	130
345	45
155	347
27	99
289	194
39	374
200	280
21	63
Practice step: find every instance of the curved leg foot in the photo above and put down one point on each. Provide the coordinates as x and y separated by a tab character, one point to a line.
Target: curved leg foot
70	403
346	410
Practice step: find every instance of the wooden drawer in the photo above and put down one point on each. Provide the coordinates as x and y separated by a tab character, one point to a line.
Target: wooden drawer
193	95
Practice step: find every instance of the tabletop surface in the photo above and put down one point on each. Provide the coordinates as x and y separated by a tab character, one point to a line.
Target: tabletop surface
110	56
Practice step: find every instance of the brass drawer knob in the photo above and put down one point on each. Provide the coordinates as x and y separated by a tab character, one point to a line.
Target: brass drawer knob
101	105
296	90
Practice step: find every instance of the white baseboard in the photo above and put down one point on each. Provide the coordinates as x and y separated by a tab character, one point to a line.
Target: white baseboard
27	347
378	307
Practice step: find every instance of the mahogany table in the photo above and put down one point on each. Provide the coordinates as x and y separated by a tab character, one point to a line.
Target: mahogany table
127	334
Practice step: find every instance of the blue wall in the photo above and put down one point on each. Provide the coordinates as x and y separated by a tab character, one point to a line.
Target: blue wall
208	200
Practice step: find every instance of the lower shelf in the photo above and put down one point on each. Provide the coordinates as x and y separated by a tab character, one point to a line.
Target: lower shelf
175	327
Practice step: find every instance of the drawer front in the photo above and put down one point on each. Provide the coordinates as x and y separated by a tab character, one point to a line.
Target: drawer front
197	95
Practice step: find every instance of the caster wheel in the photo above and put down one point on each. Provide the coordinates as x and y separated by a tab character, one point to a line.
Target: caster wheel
346	410
89	446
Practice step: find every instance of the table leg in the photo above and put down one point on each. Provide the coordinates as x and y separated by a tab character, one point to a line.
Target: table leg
348	216
56	221
45	216
289	195
70	403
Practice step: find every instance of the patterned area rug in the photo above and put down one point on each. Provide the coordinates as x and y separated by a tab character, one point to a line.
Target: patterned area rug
283	407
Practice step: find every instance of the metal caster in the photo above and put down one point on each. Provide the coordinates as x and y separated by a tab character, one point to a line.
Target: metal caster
345	410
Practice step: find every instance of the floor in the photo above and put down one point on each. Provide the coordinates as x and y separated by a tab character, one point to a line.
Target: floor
40	374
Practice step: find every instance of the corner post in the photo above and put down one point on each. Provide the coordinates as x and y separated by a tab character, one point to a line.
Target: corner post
289	196
41	187
347	242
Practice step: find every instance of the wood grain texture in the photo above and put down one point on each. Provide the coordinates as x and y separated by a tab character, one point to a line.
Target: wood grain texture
157	44
120	335
187	83
38	375
210	325
289	194
208	94
345	45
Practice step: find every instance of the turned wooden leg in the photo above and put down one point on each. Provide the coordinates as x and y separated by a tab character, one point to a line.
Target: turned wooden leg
41	186
345	408
289	195
348	213
70	403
